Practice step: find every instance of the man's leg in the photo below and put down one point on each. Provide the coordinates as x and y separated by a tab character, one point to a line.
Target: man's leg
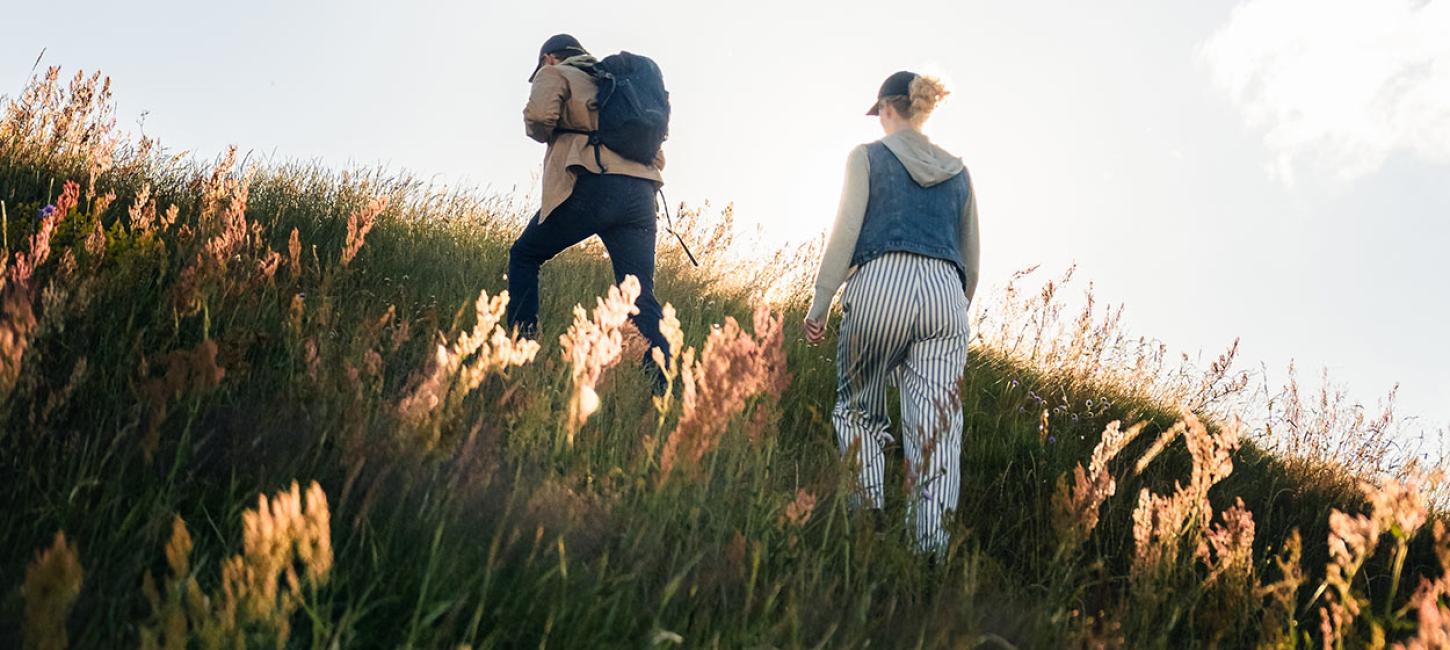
567	225
630	240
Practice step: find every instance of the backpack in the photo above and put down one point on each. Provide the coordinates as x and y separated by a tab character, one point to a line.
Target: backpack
634	115
634	107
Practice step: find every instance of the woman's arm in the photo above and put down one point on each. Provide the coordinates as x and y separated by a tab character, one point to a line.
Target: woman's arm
836	261
971	245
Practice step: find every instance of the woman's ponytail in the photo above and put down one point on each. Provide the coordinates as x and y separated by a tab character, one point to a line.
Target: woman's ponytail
926	94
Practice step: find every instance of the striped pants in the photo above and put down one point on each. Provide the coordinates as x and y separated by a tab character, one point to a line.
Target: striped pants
905	321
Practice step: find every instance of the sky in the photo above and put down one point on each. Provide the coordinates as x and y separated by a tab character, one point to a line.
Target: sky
1276	171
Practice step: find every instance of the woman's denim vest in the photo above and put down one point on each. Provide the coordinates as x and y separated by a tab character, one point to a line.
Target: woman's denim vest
902	216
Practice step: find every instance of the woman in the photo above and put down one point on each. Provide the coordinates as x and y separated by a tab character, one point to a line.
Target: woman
905	245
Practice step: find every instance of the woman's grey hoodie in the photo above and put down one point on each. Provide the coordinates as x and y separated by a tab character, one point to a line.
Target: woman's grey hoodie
928	165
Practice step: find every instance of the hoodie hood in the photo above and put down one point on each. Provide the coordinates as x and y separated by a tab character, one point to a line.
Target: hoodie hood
584	62
927	163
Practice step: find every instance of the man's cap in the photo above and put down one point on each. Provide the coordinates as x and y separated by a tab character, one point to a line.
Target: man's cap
556	43
898	84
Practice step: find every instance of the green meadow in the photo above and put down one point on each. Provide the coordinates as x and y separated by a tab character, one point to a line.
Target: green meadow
184	340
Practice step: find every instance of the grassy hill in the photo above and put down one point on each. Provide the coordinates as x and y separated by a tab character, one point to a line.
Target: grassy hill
179	340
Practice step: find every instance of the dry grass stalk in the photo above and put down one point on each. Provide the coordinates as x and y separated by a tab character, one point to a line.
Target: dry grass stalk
1164	439
17	323
634	345
458	368
261	588
217	187
1076	505
670	367
1400	507
1442	546
798	512
359	223
733	368
68	291
186	372
593	344
288	528
1227	549
1429	602
1433	626
1397	508
226	230
1328	429
770	335
169	217
1280	624
52	584
400	336
40	241
1103	633
295	312
142	211
1162	524
1092	351
294	254
73	128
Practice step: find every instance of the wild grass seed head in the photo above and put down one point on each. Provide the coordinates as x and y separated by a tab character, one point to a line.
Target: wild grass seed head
52	585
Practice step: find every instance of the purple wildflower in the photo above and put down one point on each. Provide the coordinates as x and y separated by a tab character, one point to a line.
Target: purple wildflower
45	213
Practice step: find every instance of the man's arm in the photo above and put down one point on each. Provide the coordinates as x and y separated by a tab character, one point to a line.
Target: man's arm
546	104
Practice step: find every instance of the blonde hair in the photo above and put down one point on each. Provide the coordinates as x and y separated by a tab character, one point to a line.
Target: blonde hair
926	94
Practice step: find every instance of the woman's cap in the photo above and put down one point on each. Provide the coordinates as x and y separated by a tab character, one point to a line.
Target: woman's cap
557	43
896	85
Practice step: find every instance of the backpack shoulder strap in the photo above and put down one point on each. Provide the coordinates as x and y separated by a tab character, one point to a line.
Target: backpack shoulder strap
593	142
597	73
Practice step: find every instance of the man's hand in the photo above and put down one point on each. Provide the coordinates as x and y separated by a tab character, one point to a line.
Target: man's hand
815	331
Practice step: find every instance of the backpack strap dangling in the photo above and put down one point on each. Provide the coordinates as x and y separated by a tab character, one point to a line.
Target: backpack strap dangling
670	228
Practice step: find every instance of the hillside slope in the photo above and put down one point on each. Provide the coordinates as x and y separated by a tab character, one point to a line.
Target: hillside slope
179	339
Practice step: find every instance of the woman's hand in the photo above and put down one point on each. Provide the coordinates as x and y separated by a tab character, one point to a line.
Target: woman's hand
815	331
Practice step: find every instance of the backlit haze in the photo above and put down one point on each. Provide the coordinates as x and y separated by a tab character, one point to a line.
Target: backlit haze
1275	170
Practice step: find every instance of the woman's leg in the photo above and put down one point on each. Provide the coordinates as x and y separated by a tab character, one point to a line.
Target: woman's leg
931	405
875	331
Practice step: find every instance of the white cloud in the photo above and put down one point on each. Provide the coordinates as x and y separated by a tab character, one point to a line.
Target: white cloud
1338	85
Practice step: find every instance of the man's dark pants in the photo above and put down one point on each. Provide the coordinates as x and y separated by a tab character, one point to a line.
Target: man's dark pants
621	210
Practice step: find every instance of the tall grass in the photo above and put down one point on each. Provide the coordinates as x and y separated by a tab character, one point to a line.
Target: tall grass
180	340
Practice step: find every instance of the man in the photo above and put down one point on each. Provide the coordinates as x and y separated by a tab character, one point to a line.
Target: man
586	191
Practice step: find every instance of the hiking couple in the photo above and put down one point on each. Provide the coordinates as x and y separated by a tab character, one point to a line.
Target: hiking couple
904	244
